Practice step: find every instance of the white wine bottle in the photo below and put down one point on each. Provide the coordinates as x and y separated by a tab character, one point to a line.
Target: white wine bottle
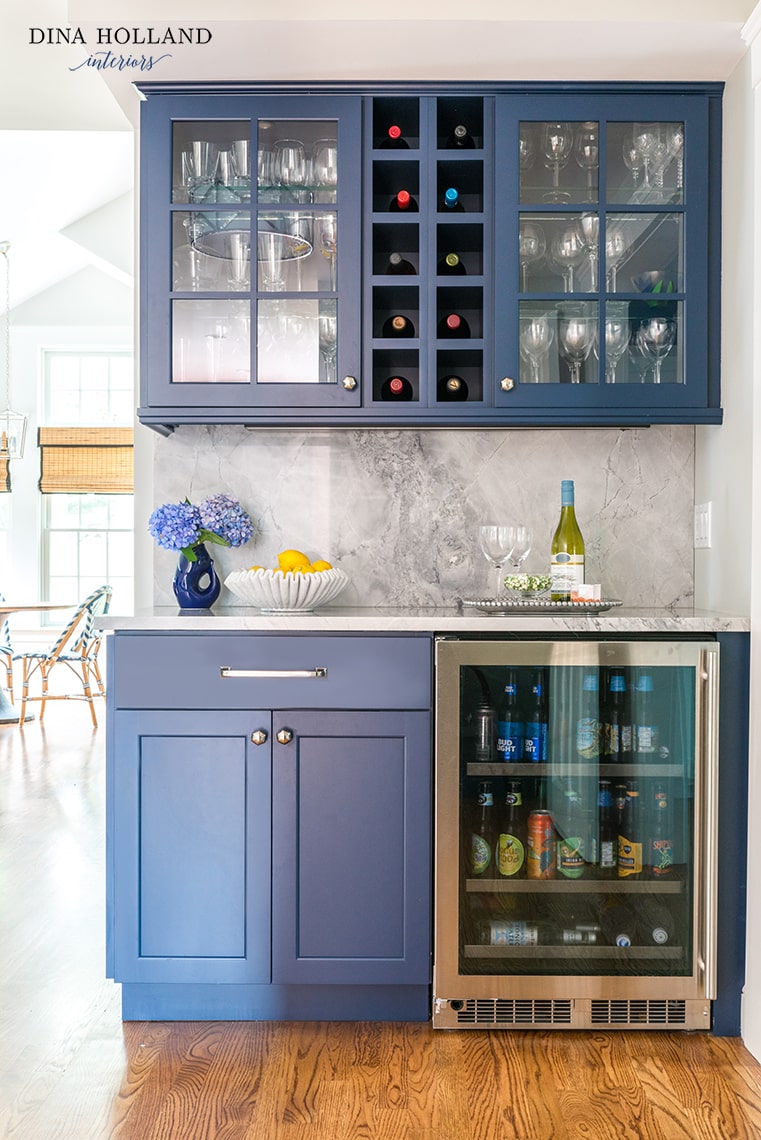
567	561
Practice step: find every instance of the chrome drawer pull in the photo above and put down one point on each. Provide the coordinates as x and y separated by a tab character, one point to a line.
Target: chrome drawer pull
228	671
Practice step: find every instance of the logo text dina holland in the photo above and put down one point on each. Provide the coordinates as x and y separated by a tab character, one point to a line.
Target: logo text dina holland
121	36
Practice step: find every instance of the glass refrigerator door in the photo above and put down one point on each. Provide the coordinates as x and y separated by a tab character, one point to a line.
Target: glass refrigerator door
575	843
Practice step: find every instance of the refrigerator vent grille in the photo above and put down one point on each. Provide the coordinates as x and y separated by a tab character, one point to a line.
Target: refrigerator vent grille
506	1011
638	1013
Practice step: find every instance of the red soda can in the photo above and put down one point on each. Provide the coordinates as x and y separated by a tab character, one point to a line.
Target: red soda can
541	858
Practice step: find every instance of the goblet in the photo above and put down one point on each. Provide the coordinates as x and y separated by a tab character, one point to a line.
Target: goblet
325	169
532	245
655	339
576	338
537	336
617	335
568	251
526	149
327	233
616	246
632	159
589	226
328	341
557	144
523	540
496	544
646	136
290	165
587	152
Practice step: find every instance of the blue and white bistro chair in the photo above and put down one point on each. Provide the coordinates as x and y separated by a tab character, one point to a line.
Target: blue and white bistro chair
6	654
77	647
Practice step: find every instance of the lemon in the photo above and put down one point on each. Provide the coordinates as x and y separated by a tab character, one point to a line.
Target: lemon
292	560
321	564
256	567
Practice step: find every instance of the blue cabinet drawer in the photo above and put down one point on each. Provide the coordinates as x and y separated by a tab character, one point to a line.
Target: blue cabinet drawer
241	671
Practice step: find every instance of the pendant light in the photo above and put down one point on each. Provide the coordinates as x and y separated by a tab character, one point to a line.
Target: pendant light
12	424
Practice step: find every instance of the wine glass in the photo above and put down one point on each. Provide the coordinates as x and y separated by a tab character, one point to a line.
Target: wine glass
532	245
537	336
576	338
568	251
270	258
328	341
327	234
655	339
646	136
523	540
325	169
589	227
526	149
496	544
290	165
616	246
587	153
632	159
557	144
617	336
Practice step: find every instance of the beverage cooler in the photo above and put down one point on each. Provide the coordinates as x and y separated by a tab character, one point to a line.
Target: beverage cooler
576	834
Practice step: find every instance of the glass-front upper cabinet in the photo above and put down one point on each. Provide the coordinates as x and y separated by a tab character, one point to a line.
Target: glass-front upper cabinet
599	203
257	199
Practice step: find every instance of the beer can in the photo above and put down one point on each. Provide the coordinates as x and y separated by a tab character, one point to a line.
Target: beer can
486	725
541	860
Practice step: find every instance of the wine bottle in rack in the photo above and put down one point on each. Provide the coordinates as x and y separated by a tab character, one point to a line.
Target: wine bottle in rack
452	200
397	326
394	139
451	388
396	388
451	266
461	139
453	325
404	201
399	265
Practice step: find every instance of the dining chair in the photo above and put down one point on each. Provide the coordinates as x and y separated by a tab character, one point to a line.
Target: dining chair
77	647
6	654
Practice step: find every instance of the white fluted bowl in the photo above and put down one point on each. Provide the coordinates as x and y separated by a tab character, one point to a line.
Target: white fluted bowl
274	592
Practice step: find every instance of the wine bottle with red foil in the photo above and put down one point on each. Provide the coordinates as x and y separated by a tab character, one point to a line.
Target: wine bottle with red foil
400	266
394	139
452	200
396	388
461	139
452	326
398	325
451	389
451	266
403	201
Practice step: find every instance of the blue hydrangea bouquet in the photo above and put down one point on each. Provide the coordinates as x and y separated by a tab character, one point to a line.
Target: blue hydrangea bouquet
182	526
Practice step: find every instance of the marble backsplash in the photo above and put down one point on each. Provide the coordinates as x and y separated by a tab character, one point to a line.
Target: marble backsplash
399	511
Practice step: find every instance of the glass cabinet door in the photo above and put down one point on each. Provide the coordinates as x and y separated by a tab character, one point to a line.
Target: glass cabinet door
593	251
263	297
574	835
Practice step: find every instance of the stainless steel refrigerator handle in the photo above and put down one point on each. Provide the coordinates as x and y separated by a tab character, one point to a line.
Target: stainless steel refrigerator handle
710	746
227	671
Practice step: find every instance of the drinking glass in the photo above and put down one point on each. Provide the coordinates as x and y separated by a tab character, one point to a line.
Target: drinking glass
675	144
327	332
576	338
523	539
526	150
325	169
589	227
200	169
655	339
617	335
568	251
241	171
646	137
270	258
587	153
532	246
496	544
557	144
290	164
537	336
327	234
616	245
239	252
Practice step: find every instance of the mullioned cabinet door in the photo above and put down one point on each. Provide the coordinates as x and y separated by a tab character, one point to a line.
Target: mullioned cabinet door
351	853
190	804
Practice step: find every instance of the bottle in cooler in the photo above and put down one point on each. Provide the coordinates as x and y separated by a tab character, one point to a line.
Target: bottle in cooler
513	836
510	723
483	835
630	836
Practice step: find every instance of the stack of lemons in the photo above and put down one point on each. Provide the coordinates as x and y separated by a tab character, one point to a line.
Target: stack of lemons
296	562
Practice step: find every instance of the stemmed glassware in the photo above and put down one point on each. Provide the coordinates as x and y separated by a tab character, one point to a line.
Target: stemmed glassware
523	539
290	165
328	342
675	146
616	246
526	149
537	335
617	335
496	544
646	137
326	224
568	251
325	169
576	339
655	339
557	144
532	248
587	152
589	226
632	159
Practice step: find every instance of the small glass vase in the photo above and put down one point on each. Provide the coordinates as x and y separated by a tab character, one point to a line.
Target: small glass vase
196	585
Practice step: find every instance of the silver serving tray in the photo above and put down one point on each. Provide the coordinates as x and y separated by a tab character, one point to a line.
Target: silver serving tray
537	606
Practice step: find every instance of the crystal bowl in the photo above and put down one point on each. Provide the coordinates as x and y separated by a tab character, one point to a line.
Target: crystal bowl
274	592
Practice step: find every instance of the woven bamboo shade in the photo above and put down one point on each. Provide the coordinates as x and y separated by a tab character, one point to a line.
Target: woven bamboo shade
80	460
5	475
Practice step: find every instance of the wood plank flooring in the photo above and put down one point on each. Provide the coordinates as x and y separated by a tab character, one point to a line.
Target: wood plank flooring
70	1070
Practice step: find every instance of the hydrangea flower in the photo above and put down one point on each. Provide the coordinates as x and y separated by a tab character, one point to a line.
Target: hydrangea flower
181	526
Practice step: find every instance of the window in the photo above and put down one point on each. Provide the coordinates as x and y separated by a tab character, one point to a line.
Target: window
87	537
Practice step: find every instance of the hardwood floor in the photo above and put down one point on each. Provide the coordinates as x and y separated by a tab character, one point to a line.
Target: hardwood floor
70	1070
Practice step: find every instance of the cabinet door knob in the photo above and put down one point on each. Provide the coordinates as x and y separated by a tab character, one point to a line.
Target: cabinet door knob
349	383
259	737
284	736
506	384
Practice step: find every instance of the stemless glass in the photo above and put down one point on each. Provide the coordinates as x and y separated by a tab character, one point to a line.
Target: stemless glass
655	339
537	336
496	544
532	246
576	338
557	143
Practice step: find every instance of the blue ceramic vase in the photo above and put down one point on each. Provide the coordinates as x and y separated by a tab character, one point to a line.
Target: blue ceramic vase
196	585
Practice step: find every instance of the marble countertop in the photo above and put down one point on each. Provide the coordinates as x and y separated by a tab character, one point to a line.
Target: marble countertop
338	619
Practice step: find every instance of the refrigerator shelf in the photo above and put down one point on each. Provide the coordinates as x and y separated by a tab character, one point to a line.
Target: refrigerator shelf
619	953
550	768
573	886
